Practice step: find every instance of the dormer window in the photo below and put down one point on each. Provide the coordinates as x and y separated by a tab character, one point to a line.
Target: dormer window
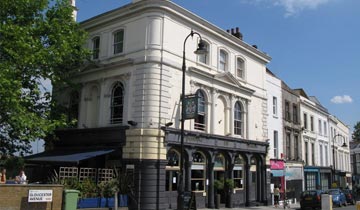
96	47
118	41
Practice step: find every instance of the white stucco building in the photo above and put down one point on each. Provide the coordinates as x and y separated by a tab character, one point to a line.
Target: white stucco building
129	98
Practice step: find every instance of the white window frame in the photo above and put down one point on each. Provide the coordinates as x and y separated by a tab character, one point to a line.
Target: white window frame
121	42
223	60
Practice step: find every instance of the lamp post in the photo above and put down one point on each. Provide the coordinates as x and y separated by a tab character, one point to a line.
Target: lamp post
200	50
344	145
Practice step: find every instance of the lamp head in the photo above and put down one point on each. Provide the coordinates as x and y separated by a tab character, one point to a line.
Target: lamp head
201	50
169	124
344	145
132	123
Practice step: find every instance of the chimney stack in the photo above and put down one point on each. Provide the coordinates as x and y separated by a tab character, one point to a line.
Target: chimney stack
235	32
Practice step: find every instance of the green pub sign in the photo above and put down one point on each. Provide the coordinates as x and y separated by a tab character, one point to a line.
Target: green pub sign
191	106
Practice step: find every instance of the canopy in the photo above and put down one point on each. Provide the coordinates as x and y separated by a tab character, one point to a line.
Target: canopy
66	156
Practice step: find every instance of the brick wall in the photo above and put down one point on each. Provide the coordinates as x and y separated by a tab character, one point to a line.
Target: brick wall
15	197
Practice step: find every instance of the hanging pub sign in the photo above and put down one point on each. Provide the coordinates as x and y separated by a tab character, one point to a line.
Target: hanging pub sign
191	106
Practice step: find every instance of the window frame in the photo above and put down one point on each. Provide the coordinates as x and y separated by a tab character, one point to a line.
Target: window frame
113	107
171	172
275	106
238	167
223	61
198	166
115	42
238	122
95	41
206	56
240	68
200	120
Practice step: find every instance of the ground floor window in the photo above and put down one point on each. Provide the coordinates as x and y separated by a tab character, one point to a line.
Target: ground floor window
238	173
198	173
325	180
310	180
172	170
171	180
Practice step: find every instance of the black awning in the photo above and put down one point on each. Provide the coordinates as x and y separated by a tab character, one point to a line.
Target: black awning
66	156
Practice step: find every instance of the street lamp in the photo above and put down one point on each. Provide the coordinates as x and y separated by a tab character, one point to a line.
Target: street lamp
200	50
344	145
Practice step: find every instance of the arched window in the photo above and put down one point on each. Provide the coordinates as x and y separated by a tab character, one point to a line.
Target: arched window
172	170
198	173
204	58
223	60
118	43
240	68
200	120
96	47
238	172
73	113
117	103
238	119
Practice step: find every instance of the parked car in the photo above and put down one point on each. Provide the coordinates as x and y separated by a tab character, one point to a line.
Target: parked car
349	195
338	197
311	199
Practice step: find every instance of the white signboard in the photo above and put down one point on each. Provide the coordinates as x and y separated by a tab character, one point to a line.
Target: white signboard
40	195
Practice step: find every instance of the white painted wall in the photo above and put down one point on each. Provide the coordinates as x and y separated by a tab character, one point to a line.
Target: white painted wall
273	87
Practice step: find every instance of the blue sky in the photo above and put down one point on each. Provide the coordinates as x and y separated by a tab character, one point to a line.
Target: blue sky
314	44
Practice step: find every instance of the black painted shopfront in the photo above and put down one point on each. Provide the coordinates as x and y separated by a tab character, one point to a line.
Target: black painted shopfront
218	169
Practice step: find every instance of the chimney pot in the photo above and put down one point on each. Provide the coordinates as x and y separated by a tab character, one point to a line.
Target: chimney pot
237	30
232	31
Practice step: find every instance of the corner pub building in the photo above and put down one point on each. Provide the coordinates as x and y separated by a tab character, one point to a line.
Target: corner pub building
131	94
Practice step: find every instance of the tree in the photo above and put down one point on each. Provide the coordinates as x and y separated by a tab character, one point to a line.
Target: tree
39	40
356	133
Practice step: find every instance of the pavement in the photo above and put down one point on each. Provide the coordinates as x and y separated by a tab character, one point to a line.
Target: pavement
292	206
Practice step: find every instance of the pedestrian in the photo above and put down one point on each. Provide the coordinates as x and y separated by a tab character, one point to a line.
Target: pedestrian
3	176
21	178
276	196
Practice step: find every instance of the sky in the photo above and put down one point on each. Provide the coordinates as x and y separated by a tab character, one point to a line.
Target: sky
314	44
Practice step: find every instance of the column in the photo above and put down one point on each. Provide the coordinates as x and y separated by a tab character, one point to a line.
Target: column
231	115
212	121
211	194
247	181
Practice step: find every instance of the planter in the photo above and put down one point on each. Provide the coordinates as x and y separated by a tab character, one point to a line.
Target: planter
102	202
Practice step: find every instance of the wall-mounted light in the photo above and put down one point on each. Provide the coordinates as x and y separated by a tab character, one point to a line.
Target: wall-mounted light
132	123
169	124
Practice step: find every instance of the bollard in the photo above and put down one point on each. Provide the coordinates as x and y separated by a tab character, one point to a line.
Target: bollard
326	202
357	205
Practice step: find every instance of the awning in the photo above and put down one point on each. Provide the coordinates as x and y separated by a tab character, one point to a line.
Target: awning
66	156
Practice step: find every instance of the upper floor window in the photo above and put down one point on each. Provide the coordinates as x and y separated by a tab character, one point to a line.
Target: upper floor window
320	127
274	106
312	123
204	58
238	119
325	129
118	44
200	120
223	63
295	114
287	111
276	145
73	106
96	47
305	121
117	103
240	68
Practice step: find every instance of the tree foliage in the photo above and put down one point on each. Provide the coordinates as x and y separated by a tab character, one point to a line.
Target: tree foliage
356	133
39	40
